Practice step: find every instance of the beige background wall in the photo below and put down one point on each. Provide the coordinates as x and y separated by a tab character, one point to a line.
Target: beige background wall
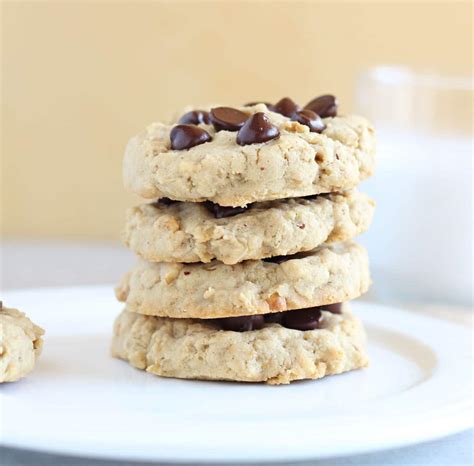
80	78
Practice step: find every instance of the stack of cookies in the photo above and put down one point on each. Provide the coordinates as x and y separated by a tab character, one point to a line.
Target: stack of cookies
247	261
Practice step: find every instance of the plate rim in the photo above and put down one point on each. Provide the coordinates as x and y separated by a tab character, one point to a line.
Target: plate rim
459	420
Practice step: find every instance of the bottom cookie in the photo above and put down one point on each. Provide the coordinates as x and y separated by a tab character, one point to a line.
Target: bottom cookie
20	344
196	349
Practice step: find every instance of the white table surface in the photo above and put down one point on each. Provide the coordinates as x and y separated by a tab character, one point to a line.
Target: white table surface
39	263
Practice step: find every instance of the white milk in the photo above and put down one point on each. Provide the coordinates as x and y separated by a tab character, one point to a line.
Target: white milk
420	243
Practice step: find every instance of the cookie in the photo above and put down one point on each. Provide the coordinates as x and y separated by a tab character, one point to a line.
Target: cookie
193	349
20	344
329	274
229	171
190	232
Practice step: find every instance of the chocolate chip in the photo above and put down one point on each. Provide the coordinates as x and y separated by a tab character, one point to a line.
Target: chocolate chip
195	117
277	259
223	211
257	129
335	308
285	107
227	118
310	119
324	106
302	319
241	323
298	319
274	318
187	136
280	259
251	104
164	201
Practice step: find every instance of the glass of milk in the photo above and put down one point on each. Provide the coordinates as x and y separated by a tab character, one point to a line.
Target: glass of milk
421	242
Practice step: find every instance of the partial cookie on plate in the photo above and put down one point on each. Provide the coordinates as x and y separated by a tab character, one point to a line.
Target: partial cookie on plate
200	232
20	344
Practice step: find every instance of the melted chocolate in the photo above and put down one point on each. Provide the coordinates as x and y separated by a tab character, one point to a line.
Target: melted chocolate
220	211
164	201
297	319
280	259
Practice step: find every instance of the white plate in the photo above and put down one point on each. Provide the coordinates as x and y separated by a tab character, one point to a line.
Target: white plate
79	401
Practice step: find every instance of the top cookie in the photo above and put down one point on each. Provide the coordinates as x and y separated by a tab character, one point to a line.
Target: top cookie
233	168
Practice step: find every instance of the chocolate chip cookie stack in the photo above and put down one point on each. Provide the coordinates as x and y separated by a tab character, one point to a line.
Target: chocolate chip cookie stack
246	253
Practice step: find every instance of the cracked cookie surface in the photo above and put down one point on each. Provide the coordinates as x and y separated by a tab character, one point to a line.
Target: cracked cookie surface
20	344
298	163
331	273
189	349
189	232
